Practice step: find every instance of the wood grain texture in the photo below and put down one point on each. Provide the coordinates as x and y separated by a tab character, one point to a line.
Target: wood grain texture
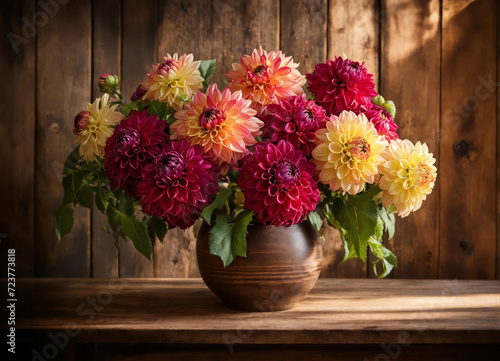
337	311
410	65
467	134
17	150
63	87
353	29
138	53
257	21
498	144
281	266
106	51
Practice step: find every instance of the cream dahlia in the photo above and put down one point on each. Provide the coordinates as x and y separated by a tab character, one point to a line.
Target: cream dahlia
266	78
341	84
174	81
408	175
348	152
223	123
94	125
279	184
179	183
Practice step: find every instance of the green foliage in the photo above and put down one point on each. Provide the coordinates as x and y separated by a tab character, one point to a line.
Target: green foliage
159	227
207	69
315	220
64	221
217	204
228	237
386	104
160	109
136	232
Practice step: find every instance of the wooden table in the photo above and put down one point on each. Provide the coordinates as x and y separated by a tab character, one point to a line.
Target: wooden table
180	319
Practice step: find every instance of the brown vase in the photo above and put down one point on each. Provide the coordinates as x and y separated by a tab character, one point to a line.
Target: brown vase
281	267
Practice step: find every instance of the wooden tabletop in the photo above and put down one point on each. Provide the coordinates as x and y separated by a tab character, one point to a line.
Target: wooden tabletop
337	311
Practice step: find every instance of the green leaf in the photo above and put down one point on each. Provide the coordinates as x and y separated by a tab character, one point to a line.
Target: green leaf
228	238
84	196
72	160
136	231
218	203
160	109
129	107
124	203
159	227
390	107
64	221
207	69
71	184
373	190
315	220
358	216
389	221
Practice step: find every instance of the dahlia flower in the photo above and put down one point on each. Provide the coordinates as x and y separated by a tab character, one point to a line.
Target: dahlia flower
341	84
139	93
348	152
294	119
174	81
133	144
383	122
179	183
279	184
221	122
266	78
94	125
408	175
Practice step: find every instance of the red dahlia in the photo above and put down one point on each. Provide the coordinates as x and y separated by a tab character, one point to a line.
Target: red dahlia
295	120
383	122
133	144
341	85
178	184
279	183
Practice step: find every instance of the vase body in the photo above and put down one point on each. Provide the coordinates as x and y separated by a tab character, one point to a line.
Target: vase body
281	267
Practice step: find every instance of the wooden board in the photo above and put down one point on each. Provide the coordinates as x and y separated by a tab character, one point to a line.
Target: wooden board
410	68
176	257
17	148
138	53
63	87
498	144
106	57
337	311
467	151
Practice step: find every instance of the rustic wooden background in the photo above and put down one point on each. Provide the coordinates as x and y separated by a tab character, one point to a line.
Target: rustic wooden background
438	60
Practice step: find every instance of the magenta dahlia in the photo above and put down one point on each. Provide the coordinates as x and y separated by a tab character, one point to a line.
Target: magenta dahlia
178	184
133	144
295	120
383	122
341	84
139	93
279	183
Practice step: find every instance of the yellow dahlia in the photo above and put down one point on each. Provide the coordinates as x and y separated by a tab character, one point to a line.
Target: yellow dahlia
348	152
174	81
94	125
221	122
408	175
266	78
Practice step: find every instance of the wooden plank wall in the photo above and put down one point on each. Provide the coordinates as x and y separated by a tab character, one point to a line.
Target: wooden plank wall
437	59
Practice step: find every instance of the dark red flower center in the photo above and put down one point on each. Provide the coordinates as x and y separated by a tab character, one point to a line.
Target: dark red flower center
166	65
287	174
169	167
260	74
127	140
360	148
211	117
81	122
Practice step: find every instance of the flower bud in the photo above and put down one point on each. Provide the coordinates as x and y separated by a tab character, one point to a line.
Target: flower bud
108	82
139	93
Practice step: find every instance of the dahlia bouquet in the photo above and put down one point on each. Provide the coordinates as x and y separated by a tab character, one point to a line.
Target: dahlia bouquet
257	151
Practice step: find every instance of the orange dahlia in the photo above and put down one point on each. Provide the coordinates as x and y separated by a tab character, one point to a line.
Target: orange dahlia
174	81
266	78
223	123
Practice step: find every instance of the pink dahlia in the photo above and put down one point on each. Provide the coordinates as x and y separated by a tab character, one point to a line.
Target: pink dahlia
223	123
295	120
178	184
383	122
279	183
133	144
266	78
341	84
